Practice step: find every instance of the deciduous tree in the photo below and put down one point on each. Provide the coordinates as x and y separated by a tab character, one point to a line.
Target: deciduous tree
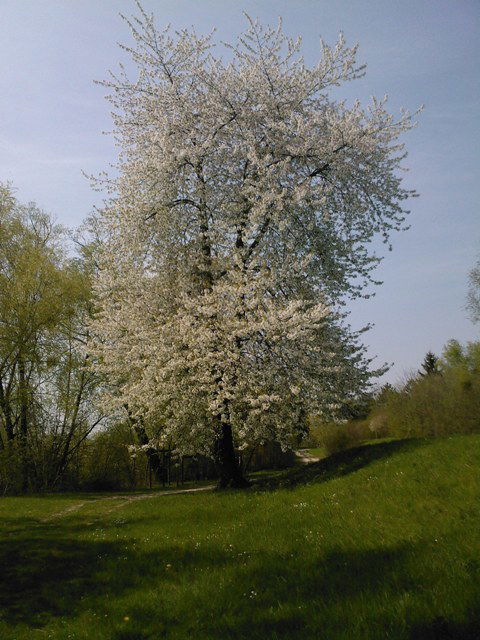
46	391
239	223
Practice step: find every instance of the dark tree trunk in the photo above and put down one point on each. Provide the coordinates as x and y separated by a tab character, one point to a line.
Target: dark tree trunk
6	407
229	471
230	474
23	397
152	454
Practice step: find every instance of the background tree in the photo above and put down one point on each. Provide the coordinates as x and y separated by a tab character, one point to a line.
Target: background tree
45	389
464	359
473	299
429	365
433	405
240	221
383	392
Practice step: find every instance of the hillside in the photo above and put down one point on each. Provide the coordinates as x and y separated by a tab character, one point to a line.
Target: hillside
378	542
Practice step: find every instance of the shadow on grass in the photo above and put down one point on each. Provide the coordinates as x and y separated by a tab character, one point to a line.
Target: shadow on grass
45	574
212	592
442	629
337	465
272	596
357	594
52	571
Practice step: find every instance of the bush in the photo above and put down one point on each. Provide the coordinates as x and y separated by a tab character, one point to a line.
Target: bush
434	405
337	436
106	463
442	402
431	408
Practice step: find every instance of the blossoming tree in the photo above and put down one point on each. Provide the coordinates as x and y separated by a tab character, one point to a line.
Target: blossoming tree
239	222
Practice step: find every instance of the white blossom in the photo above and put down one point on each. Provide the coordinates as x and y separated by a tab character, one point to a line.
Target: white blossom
240	221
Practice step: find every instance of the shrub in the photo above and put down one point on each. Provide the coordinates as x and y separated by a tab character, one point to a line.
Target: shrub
337	436
107	464
434	405
443	402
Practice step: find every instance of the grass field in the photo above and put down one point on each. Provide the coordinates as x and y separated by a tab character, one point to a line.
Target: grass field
378	542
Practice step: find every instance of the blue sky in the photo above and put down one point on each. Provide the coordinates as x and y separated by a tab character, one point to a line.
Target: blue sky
419	52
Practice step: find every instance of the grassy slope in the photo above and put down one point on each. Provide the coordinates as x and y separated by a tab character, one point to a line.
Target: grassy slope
382	542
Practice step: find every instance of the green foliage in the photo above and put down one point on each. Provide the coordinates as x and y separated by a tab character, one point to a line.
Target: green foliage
106	463
433	405
443	399
464	360
335	436
378	543
46	390
429	365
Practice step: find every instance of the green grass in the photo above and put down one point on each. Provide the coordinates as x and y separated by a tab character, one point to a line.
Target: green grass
381	542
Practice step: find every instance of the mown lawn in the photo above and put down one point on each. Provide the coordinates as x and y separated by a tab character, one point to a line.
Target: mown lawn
379	542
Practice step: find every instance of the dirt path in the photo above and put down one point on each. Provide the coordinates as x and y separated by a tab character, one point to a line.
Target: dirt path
304	456
125	500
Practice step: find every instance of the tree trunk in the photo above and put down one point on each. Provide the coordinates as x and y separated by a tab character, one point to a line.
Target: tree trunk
23	398
229	471
152	454
6	407
230	474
